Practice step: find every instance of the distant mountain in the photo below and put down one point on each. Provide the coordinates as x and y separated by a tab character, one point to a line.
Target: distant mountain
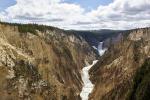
93	37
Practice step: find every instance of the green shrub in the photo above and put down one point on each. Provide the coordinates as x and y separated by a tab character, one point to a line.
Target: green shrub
26	28
32	28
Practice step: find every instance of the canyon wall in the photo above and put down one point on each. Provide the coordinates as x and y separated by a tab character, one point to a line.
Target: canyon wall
41	63
114	74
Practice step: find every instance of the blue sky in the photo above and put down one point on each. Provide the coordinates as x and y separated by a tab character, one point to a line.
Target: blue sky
6	3
89	4
78	14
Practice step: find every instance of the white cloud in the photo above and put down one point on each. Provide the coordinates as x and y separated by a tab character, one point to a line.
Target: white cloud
120	14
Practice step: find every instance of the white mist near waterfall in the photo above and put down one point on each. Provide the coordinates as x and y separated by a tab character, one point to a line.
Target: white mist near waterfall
100	49
88	86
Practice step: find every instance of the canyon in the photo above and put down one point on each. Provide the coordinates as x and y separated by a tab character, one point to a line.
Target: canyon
39	62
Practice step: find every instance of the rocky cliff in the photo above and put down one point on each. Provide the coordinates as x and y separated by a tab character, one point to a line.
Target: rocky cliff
114	74
41	63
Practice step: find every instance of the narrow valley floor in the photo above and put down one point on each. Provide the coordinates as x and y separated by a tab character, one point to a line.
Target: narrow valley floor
88	86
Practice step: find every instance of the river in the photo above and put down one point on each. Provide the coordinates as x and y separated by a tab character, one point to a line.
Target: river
87	84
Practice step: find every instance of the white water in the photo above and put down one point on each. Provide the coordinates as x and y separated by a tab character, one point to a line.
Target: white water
100	49
88	86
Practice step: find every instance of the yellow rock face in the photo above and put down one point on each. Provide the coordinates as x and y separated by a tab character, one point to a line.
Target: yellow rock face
113	74
41	66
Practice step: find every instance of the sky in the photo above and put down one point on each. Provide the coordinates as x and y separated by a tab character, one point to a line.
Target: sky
78	14
89	4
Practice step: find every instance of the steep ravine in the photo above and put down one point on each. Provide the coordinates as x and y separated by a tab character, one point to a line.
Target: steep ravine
40	62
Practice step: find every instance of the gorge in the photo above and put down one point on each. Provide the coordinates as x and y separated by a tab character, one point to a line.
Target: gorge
39	62
74	49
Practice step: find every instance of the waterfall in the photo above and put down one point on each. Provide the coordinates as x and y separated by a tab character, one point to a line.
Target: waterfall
100	49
